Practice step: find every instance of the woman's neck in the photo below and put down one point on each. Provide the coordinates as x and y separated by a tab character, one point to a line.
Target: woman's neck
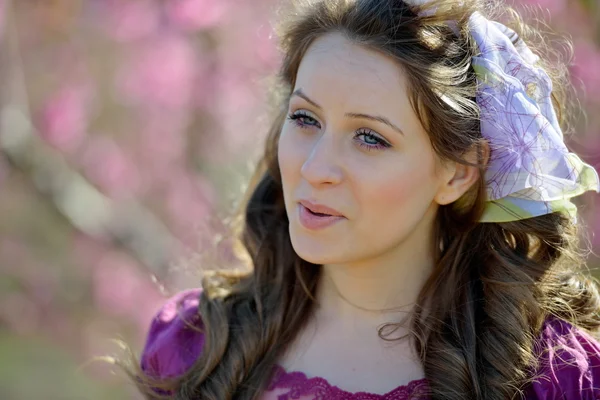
382	288
341	342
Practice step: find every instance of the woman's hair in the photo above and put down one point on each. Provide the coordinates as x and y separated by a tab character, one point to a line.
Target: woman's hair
476	318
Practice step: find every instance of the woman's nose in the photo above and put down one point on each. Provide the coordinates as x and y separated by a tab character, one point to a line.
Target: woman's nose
322	165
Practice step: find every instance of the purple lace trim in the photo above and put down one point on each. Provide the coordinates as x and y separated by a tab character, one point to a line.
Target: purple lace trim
300	385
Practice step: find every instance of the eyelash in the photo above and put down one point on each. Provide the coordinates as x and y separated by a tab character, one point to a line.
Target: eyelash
297	119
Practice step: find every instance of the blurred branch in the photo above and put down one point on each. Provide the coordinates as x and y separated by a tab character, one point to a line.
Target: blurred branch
128	223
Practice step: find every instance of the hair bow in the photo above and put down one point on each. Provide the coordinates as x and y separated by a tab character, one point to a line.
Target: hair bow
530	171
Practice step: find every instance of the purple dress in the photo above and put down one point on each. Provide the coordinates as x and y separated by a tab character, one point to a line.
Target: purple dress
570	367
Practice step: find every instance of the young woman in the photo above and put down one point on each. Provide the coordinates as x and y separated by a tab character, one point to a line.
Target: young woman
410	226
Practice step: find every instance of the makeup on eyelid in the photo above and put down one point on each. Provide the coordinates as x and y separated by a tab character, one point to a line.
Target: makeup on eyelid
299	119
377	118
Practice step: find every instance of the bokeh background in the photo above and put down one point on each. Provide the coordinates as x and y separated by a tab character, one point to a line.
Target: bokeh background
128	129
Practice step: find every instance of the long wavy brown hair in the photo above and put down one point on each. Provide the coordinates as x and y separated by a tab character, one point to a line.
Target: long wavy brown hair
477	317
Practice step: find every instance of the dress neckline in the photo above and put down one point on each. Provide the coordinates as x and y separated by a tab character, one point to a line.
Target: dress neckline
301	385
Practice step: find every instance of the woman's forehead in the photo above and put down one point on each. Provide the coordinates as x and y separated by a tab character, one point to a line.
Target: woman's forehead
336	66
334	54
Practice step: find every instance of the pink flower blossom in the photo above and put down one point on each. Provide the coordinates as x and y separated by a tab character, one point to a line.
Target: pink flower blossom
161	146
109	167
250	42
189	202
123	289
131	20
195	15
238	131
158	74
84	250
266	49
64	118
116	283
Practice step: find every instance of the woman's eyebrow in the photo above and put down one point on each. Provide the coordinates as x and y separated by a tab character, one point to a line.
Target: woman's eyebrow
300	93
377	118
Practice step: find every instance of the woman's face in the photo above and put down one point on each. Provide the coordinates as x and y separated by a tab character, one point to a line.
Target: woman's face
353	143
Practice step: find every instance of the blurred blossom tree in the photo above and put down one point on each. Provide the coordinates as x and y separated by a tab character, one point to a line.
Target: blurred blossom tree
126	128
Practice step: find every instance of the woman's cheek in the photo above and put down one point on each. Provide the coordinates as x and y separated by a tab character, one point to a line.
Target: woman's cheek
288	154
406	189
294	147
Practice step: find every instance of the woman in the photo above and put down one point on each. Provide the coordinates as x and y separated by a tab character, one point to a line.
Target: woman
410	226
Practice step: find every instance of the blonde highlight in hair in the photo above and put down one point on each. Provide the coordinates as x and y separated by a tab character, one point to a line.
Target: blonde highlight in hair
476	318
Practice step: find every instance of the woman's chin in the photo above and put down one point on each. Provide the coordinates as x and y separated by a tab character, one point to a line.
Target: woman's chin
315	252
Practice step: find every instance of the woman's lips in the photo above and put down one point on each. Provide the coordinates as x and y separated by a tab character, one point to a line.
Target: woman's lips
312	221
320	208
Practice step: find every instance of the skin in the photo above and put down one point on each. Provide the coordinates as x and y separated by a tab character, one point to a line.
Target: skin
387	182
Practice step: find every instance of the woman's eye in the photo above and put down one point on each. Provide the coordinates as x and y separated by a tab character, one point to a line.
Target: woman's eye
370	141
365	138
303	120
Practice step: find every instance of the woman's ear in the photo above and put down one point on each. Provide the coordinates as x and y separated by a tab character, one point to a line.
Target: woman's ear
457	178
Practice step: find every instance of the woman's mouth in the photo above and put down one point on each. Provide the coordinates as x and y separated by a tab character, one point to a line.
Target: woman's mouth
316	220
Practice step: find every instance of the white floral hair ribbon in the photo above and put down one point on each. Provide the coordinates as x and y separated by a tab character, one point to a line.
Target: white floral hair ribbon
530	172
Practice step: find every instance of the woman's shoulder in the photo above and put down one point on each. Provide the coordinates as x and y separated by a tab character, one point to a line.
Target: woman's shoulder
569	363
174	339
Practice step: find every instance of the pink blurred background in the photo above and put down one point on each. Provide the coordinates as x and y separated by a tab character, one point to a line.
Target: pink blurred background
127	132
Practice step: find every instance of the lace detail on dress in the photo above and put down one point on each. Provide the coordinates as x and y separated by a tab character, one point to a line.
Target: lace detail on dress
318	388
